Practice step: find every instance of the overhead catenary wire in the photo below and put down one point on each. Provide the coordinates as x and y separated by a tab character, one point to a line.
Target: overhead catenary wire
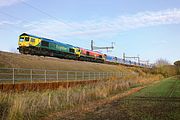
14	24
39	10
35	8
43	12
27	21
11	16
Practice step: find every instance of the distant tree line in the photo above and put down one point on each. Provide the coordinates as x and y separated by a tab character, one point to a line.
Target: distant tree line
162	66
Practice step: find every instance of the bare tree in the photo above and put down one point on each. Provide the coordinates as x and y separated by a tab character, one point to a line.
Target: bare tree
161	62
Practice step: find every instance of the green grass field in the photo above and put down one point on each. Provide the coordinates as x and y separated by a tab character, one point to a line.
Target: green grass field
166	88
160	101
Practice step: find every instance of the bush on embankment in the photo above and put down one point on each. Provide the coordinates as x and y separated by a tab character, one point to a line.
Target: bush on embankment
165	70
163	67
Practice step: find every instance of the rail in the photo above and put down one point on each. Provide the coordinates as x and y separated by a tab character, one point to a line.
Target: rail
17	75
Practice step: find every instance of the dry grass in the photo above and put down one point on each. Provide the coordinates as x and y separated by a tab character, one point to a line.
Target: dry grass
34	105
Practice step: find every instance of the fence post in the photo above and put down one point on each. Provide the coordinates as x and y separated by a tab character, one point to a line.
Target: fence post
45	75
94	76
67	77
57	76
82	75
31	75
99	76
89	75
103	75
13	76
107	75
75	75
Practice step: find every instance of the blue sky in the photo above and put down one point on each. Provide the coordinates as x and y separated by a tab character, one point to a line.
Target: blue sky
149	28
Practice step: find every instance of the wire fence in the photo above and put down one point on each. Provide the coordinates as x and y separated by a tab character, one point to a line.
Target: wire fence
17	75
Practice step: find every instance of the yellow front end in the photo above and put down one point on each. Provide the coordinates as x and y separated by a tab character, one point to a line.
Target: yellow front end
77	51
26	41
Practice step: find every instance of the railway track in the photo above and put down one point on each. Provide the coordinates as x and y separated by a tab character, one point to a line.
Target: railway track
173	88
155	99
168	96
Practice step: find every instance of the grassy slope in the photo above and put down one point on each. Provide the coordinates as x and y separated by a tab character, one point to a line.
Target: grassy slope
167	88
39	62
162	101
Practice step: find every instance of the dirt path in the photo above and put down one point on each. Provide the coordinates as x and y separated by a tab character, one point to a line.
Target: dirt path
94	110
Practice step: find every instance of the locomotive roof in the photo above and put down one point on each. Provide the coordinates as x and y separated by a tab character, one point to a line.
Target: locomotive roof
48	40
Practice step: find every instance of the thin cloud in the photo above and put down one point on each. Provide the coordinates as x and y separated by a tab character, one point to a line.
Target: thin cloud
9	24
9	2
159	42
54	28
4	23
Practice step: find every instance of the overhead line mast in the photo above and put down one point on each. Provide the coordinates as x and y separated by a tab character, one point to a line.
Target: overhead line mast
134	57
125	57
98	48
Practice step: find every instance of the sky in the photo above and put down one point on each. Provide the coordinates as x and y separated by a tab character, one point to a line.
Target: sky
146	28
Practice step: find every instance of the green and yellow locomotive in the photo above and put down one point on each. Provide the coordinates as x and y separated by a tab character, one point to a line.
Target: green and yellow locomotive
30	44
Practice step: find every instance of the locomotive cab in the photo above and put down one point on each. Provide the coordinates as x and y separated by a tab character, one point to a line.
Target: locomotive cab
23	41
27	42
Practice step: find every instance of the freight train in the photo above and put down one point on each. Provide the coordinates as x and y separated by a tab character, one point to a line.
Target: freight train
34	45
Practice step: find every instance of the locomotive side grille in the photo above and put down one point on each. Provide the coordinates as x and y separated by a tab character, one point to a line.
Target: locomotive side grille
44	43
